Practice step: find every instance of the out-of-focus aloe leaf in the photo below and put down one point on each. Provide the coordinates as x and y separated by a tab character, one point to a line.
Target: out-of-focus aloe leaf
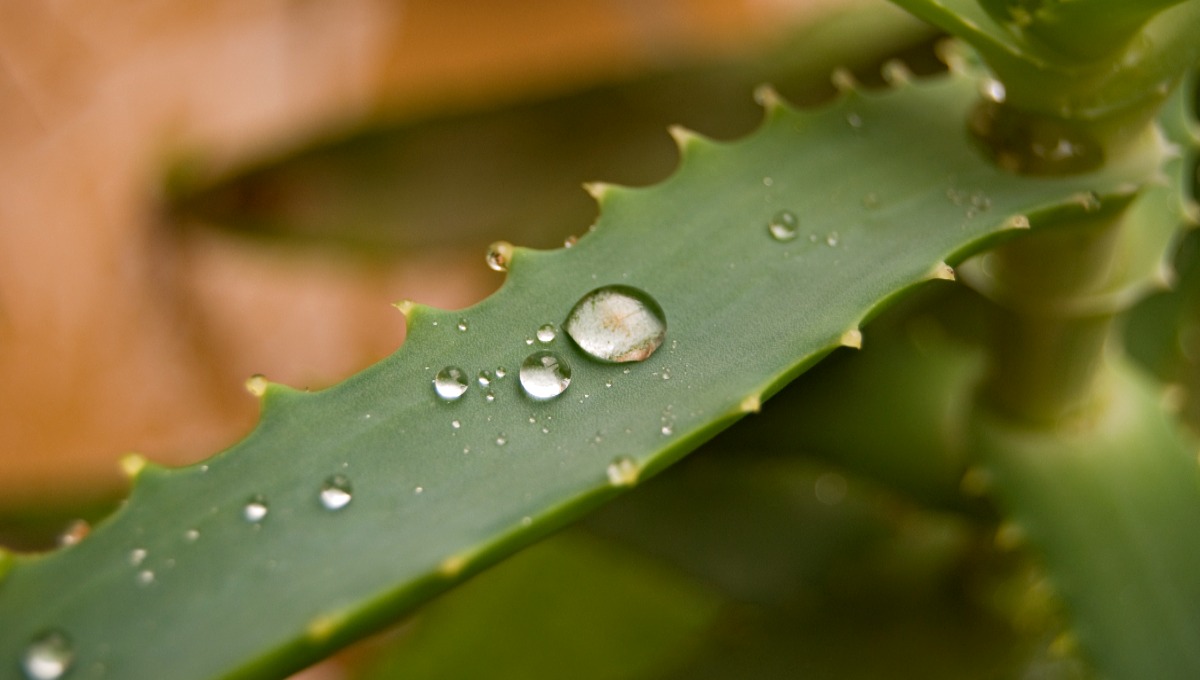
1113	505
207	585
571	607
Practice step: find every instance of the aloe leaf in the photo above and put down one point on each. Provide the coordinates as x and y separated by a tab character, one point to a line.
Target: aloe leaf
885	187
1114	509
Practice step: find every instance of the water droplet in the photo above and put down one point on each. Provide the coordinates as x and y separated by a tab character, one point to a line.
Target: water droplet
544	375
832	239
462	325
191	535
547	333
994	90
501	439
485	378
499	255
145	577
137	556
854	120
617	324
419	490
667	430
783	225
48	656
450	383
255	509
570	241
336	492
623	471
767	181
455	424
489	396
666	374
501	371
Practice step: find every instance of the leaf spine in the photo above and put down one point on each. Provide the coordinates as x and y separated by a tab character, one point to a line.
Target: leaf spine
132	464
896	73
406	307
843	80
1017	222
257	384
766	97
452	566
683	137
751	404
598	190
943	271
852	338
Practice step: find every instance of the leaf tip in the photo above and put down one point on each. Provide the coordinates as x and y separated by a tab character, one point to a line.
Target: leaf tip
257	384
132	464
943	271
852	338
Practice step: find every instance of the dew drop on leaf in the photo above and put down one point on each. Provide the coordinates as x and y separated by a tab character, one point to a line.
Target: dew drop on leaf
191	535
617	324
547	333
137	556
499	255
48	656
336	492
782	226
501	372
450	383
544	375
145	577
255	509
462	325
485	378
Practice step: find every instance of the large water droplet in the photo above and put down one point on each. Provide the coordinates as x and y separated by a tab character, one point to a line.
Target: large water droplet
783	225
617	324
336	492
48	656
499	255
450	383
544	375
255	509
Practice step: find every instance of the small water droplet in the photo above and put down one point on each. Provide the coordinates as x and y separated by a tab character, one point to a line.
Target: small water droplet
255	509
48	656
418	490
485	378
994	90
489	396
782	226
666	374
462	325
667	430
617	324
767	181
499	255
570	241
501	439
501	371
336	492
545	430
854	120
137	556
544	375
623	471
145	577
608	383
547	333
191	535
450	383
832	239
455	424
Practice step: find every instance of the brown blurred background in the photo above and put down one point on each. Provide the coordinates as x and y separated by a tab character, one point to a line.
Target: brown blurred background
191	193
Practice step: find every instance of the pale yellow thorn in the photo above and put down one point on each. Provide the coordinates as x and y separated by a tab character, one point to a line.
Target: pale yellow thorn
896	72
597	190
1017	222
323	626
406	307
683	137
767	97
257	384
623	472
943	271
852	338
843	80
452	566
751	404
132	464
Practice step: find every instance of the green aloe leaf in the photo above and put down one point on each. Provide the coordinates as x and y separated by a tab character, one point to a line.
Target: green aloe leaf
1113	506
179	583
